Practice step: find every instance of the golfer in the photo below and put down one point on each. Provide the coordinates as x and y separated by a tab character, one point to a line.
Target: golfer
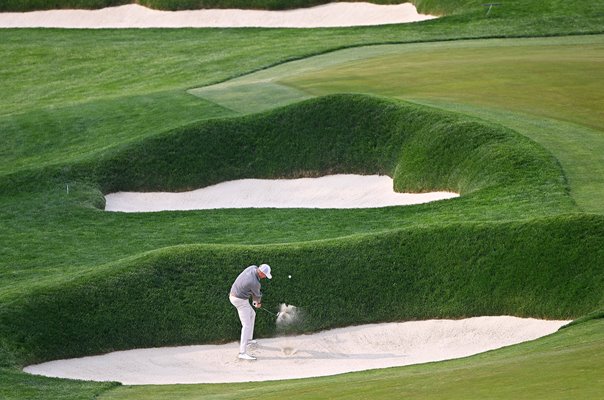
248	284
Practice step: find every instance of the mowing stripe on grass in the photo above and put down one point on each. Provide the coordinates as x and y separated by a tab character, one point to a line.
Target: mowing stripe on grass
549	89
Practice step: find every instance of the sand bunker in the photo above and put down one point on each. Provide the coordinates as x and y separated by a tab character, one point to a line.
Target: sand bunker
333	191
321	354
136	16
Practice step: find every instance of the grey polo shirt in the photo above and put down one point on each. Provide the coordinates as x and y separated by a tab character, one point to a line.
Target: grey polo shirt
247	284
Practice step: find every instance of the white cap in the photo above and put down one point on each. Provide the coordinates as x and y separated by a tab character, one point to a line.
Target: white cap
266	270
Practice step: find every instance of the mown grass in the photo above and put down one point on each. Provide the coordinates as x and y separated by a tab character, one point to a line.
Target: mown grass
554	78
448	270
62	135
76	280
579	149
17	385
543	77
535	86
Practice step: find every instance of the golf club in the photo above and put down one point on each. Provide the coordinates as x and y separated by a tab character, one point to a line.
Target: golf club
270	312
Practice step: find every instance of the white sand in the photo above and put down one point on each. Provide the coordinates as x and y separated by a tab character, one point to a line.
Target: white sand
332	191
326	353
136	16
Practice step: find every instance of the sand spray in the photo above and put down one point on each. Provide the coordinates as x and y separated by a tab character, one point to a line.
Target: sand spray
288	315
289	319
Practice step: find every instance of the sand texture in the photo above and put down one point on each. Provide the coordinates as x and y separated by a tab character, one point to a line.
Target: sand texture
332	191
136	16
326	353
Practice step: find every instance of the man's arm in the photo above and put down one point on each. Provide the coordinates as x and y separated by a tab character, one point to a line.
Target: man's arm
257	296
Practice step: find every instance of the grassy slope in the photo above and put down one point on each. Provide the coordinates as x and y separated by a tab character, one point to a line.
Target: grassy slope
155	63
534	370
169	296
440	271
16	385
579	149
282	143
64	134
539	87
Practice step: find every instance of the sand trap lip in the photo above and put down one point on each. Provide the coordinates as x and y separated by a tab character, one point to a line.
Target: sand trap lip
326	353
332	191
136	16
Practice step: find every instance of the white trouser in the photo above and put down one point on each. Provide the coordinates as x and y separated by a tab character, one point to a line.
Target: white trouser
247	315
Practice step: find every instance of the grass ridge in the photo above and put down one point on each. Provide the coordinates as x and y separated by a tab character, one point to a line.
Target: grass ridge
156	296
434	272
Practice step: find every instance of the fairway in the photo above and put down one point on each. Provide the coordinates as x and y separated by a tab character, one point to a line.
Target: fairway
551	90
558	78
503	107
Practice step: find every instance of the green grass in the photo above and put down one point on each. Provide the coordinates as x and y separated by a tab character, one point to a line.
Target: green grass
45	137
109	109
550	90
552	77
403	142
16	385
567	364
579	149
176	295
557	78
445	270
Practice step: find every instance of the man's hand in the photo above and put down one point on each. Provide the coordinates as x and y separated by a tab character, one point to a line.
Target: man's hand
257	305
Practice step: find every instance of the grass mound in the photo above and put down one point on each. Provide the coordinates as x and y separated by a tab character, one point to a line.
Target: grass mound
422	148
177	295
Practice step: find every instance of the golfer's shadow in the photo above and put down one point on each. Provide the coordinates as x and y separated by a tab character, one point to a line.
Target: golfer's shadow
300	354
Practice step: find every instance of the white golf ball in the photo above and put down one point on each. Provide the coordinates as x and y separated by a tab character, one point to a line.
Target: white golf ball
289	276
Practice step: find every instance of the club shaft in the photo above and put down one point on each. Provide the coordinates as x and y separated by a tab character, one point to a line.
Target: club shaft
273	314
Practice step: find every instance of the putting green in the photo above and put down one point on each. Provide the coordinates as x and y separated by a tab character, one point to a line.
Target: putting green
549	89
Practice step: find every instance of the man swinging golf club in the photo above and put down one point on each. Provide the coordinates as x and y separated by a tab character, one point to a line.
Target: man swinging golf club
248	284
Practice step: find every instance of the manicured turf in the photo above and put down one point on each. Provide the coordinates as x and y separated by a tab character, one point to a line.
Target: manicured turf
551	90
58	135
445	262
557	78
579	149
84	112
